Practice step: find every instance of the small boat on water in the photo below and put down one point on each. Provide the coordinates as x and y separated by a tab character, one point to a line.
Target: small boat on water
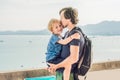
1	41
30	41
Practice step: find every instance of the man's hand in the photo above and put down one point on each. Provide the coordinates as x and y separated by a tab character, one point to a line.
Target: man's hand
52	67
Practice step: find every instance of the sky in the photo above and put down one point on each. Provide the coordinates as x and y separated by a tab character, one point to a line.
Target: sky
35	14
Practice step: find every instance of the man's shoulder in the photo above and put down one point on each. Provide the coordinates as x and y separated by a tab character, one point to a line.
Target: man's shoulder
75	30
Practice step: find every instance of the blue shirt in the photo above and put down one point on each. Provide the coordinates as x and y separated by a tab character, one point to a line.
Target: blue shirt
53	48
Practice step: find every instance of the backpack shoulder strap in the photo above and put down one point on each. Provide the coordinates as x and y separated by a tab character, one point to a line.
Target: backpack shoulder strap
81	60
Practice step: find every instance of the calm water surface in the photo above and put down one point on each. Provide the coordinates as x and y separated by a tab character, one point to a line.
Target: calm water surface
28	51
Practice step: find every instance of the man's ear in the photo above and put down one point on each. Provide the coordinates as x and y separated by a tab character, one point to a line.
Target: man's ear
68	20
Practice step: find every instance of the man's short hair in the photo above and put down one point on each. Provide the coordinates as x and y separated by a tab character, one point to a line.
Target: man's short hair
70	13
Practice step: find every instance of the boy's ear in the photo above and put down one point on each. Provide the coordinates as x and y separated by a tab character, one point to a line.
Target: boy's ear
51	30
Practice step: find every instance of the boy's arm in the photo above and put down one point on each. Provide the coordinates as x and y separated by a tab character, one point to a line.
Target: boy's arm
67	40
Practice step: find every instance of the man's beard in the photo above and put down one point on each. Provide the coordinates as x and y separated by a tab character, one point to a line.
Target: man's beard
65	26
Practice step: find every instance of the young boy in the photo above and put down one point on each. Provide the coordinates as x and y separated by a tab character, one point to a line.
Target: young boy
55	45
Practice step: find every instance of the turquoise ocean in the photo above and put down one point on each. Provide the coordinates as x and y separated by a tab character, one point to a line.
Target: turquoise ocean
28	51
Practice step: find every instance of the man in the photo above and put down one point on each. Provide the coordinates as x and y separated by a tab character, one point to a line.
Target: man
71	52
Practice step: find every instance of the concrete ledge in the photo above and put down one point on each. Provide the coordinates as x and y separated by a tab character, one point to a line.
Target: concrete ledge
20	75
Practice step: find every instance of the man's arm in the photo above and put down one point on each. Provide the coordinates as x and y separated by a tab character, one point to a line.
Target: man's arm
73	58
67	40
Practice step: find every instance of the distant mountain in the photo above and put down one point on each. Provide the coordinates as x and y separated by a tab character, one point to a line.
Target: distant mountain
41	32
102	28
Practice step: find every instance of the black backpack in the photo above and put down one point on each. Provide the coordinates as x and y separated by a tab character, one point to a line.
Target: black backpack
85	60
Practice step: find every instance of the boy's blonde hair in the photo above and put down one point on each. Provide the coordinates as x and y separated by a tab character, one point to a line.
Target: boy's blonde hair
51	23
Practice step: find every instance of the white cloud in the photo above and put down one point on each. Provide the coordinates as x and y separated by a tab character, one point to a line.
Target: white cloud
95	11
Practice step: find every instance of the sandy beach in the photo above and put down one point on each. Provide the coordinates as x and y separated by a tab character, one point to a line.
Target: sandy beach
113	74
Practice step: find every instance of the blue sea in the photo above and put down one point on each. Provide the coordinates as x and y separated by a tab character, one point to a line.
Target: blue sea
28	51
